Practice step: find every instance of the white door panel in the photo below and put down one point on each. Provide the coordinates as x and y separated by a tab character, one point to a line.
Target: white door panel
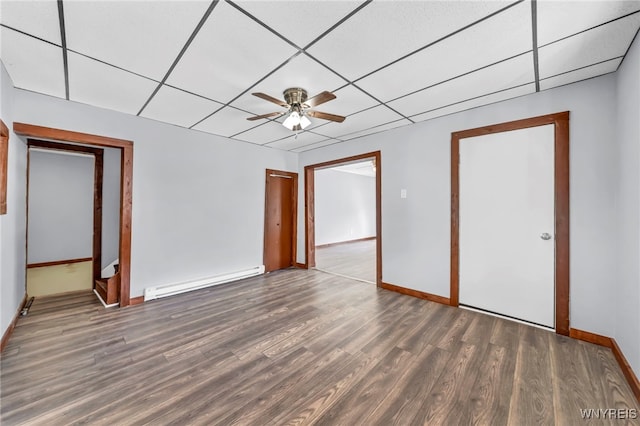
506	204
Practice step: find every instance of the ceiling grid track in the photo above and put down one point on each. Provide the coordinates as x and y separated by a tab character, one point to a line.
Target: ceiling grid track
212	6
476	97
586	30
534	36
29	35
496	65
263	25
627	51
459	30
249	88
63	38
300	50
457	77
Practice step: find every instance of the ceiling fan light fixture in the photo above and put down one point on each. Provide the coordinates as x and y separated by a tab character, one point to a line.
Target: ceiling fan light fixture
304	121
293	120
299	107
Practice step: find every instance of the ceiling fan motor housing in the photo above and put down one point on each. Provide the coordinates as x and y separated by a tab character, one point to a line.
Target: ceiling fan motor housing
295	96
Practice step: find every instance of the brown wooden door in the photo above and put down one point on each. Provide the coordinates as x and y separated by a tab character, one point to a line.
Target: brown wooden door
281	191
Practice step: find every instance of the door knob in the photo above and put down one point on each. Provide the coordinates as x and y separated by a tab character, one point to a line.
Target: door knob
545	236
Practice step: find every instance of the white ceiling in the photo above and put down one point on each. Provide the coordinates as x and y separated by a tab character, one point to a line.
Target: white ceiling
195	64
363	168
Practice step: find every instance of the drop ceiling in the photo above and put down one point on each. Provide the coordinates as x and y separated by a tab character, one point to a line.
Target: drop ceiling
194	64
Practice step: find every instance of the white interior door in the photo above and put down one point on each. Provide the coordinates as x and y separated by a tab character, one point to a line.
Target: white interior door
506	219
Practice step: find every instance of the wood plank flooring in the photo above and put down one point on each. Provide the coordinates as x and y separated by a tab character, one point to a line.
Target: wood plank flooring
296	347
355	259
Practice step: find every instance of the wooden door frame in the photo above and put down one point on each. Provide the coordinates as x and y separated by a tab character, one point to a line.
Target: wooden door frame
126	186
4	163
98	171
309	208
561	193
294	198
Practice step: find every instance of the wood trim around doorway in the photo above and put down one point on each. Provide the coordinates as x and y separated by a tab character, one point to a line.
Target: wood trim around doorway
294	197
4	163
561	123
309	207
126	200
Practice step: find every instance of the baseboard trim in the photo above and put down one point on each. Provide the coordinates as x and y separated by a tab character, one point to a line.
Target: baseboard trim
136	300
345	242
301	265
59	262
611	343
416	293
634	383
587	336
12	325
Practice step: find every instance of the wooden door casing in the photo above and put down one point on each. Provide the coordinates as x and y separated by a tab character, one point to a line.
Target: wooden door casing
280	236
561	170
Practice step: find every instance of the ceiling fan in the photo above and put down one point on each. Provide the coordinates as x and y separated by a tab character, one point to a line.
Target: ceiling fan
298	107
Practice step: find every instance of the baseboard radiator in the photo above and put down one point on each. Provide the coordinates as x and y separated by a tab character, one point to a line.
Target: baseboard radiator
152	293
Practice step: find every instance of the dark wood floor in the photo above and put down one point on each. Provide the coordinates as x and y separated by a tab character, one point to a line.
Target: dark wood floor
354	259
296	347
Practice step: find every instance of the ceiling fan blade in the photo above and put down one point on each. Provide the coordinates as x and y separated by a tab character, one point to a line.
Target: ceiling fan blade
271	99
319	99
271	114
325	116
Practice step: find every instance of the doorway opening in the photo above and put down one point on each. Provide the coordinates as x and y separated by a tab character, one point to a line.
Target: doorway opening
555	240
345	220
125	149
343	217
64	217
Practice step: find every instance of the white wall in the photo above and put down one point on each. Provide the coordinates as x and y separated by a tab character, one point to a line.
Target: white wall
198	199
345	206
110	206
13	224
416	230
626	285
60	207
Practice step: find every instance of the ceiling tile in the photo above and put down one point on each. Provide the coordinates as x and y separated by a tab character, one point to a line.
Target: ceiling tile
268	132
301	71
285	16
94	83
505	75
477	102
177	107
38	18
473	48
230	53
581	74
32	64
363	120
316	145
558	19
227	122
597	45
140	36
377	129
349	100
302	139
385	31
